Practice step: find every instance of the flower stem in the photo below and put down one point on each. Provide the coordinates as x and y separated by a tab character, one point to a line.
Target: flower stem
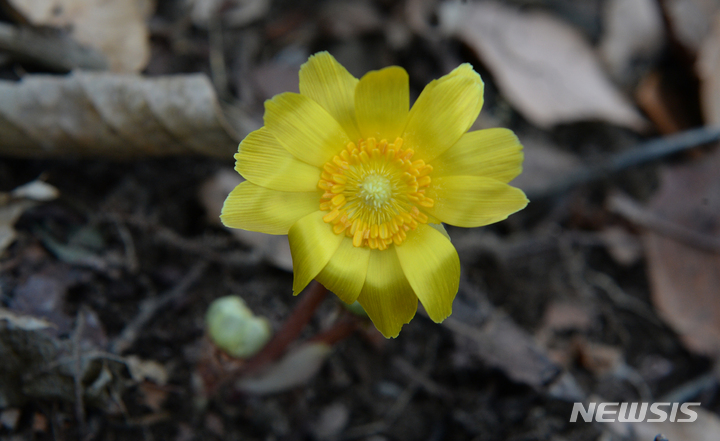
290	330
338	332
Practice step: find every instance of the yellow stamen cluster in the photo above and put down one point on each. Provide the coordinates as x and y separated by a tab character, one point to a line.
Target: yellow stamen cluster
373	191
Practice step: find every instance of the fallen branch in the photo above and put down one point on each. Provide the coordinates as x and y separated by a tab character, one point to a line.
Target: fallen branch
151	306
643	153
638	215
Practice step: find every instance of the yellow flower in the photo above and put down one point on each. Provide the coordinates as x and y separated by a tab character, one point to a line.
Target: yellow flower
361	183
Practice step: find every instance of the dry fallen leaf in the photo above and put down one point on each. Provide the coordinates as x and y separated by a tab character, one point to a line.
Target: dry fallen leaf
147	370
234	13
633	29
9	214
708	69
36	190
25	347
684	279
36	365
691	20
350	18
9	418
625	248
116	28
15	203
295	369
101	114
331	421
563	316
274	249
663	103
544	67
502	344
598	358
42	295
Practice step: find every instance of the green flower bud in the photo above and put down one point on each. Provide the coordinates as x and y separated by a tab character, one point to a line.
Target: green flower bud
234	329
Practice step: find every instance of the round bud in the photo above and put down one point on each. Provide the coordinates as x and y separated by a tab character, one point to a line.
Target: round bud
234	329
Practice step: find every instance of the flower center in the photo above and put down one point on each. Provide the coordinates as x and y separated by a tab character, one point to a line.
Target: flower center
373	192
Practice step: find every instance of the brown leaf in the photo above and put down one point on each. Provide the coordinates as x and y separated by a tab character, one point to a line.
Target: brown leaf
43	295
350	18
16	202
153	395
633	29
331	421
544	67
97	114
295	369
691	20
597	358
660	103
147	370
502	344
625	248
9	418
9	214
234	13
116	28
708	67
684	279
563	316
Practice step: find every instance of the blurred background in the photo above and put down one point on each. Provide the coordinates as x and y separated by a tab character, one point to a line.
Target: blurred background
118	122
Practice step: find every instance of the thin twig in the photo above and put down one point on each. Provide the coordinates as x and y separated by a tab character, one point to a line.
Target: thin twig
218	68
690	390
419	379
77	373
170	238
129	245
619	297
149	307
632	211
641	154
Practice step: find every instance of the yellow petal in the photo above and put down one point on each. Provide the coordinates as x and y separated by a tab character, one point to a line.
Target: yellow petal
443	112
441	229
492	153
467	71
304	128
387	296
382	101
256	208
263	161
472	201
346	271
312	244
327	82
432	268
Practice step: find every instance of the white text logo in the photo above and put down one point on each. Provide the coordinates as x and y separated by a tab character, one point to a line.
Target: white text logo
635	412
